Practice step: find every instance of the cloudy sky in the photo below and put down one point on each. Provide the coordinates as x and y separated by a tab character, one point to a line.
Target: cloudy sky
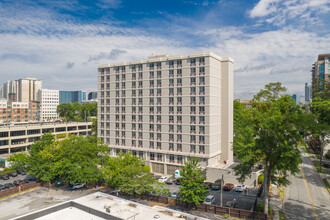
63	42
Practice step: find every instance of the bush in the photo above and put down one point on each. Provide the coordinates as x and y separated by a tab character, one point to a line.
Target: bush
261	178
260	208
226	215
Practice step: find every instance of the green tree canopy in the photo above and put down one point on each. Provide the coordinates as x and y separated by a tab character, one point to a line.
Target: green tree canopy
73	159
76	111
128	174
192	190
268	132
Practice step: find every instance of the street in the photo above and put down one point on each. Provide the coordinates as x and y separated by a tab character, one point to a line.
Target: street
306	196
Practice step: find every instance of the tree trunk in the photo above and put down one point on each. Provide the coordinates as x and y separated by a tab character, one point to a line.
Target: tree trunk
267	174
321	152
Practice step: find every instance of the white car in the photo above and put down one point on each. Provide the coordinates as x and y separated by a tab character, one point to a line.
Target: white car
240	188
210	199
162	179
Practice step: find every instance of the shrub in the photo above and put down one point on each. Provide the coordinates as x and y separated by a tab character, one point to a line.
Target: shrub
260	208
261	178
226	215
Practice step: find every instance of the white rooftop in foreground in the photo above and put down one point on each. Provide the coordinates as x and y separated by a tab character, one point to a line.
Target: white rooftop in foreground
103	206
70	214
126	209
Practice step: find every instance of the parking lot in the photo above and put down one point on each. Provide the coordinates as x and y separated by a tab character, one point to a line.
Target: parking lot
244	200
12	179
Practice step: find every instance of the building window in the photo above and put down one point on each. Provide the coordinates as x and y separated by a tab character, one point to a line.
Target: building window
171	147
159	157
179	147
151	144
202	149
192	148
152	156
171	158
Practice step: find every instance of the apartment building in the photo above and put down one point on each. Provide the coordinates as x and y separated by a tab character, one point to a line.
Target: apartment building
321	70
21	90
167	109
19	137
49	100
18	111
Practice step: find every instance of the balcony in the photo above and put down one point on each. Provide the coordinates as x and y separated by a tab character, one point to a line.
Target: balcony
202	152
202	132
192	151
202	73
159	159
192	64
201	63
151	68
171	66
202	103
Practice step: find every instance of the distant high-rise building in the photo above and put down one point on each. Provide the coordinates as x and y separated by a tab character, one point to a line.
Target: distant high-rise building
167	109
72	96
21	90
92	95
294	96
308	94
321	70
49	100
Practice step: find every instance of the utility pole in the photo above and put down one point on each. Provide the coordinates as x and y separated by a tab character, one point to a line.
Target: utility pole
221	190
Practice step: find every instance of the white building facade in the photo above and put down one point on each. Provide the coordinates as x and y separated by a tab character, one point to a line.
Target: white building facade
49	100
168	108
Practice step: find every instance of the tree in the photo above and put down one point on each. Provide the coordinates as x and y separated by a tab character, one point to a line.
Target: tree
76	158
18	160
268	132
320	107
128	174
76	111
73	159
192	190
66	111
94	126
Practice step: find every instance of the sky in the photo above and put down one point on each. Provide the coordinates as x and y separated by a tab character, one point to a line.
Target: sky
63	42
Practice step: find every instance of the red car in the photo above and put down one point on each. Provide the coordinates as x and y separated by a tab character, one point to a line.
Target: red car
228	187
18	182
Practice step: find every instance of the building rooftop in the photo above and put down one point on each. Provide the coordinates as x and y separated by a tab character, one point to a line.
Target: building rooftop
103	206
165	57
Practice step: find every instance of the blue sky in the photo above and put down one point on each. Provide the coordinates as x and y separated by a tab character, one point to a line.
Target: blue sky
63	42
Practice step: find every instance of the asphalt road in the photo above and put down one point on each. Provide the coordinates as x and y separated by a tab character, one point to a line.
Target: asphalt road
306	196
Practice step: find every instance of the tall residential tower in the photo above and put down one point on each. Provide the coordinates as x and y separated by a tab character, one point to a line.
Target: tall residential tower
168	108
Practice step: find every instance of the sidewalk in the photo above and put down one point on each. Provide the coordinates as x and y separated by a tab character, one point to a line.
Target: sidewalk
276	203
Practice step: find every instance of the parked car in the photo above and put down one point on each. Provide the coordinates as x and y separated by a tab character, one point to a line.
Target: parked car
18	182
208	185
30	179
12	174
228	187
210	199
240	188
77	186
21	171
2	187
169	181
4	177
216	185
162	179
174	195
9	185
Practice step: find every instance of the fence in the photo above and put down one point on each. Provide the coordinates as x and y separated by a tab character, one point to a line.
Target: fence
17	189
236	213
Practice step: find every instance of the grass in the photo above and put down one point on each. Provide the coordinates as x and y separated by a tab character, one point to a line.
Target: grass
282	215
318	168
327	185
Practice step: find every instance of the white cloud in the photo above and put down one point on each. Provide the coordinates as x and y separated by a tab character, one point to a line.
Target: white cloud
263	8
279	12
